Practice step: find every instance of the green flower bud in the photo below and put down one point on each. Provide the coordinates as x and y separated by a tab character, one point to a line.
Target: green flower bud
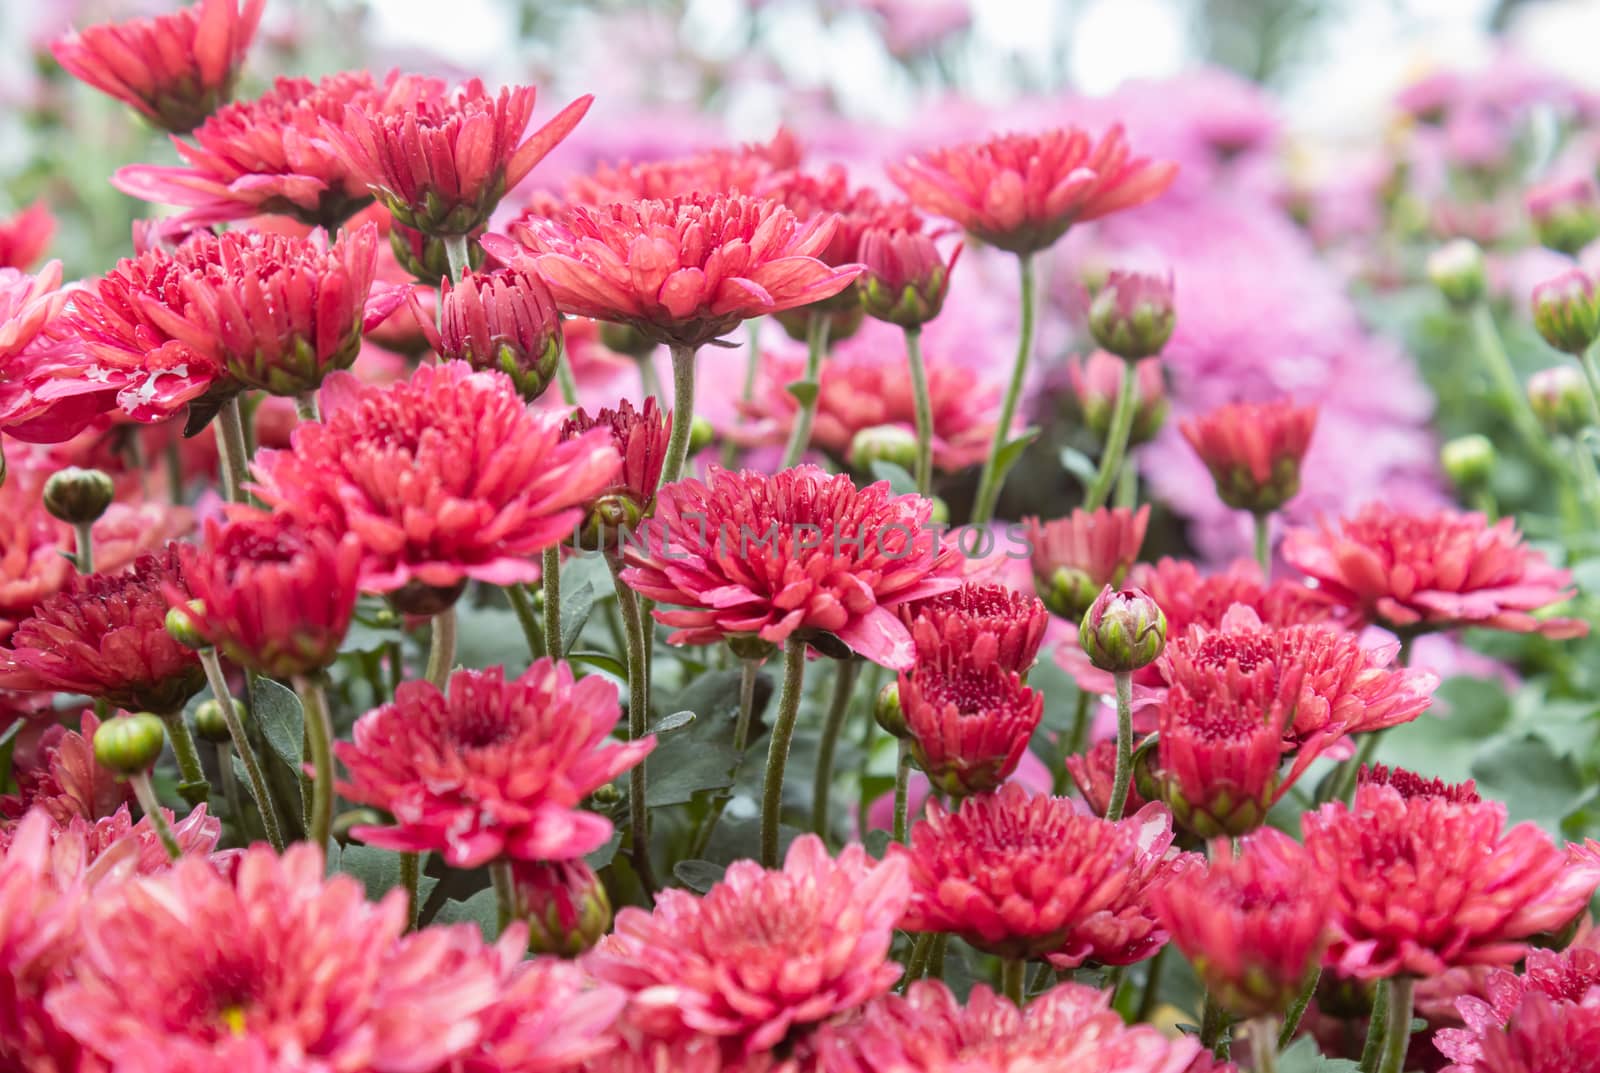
78	496
1456	269
130	744
1123	630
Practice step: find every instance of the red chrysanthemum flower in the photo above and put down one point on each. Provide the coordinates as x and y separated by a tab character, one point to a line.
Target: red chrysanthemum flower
1331	683
983	622
1094	774
494	768
504	320
175	69
30	356
105	636
1253	451
1551	984
273	968
1021	192
1070	1028
863	386
25	236
1075	557
797	551
968	721
443	478
684	271
1097	384
1416	572
640	437
272	155
717	171
1253	925
442	165
273	596
66	782
763	952
1014	874
42	889
1427	878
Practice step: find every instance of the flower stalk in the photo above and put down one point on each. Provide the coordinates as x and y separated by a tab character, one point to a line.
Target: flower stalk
682	412
260	790
319	742
794	666
990	479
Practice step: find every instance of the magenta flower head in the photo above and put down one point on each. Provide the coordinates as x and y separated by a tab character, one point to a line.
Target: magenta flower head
564	905
443	165
796	552
1076	557
1254	451
1559	397
1252	924
1219	758
640	437
967	723
906	278
1132	315
1123	630
986	623
271	595
504	320
176	69
25	236
1566	311
1021	192
1097	383
492	769
1565	213
684	271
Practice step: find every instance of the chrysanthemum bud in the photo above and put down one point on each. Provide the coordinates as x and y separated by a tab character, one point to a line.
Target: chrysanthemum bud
1076	557
906	279
181	624
1254	451
419	598
702	434
1123	630
1097	382
78	496
1132	316
751	648
888	713
1566	310
1565	213
626	339
503	320
842	323
1559	397
129	744
884	443
1456	269
564	905
209	723
424	256
1468	460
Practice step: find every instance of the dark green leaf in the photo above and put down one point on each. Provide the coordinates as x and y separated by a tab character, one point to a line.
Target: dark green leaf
804	391
1303	1057
276	710
668	723
1533	781
489	637
378	870
699	876
900	482
1008	455
600	661
577	603
481	909
1444	741
681	767
604	855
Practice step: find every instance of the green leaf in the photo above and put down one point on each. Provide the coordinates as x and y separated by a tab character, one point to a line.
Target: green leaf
1078	464
1534	782
668	723
600	661
1007	456
577	603
379	871
804	391
681	767
1444	741
1303	1057
276	710
900	482
699	876
481	909
606	853
491	636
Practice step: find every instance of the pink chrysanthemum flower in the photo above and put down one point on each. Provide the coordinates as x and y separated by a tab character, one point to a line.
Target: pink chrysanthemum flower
1021	192
66	782
863	387
174	69
1551	984
984	622
800	551
550	1016
1253	451
1427	878
640	437
1252	924
763	952
1094	771
442	165
1014	874
1070	1028
505	320
1075	557
1416	572
274	596
41	892
739	170
443	478
106	636
906	276
272	155
493	768
684	271
30	355
1097	384
967	722
25	236
274	968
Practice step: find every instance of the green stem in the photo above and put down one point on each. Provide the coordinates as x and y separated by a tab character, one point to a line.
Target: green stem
192	774
1127	483
1350	770
1291	1020
1493	353
233	454
1013	971
146	795
1263	527
936	959
174	464
1152	986
1124	773
1116	439
1589	362
410	882
633	635
260	789
1264	1044
319	737
924	411
523	607
230	784
902	792
989	481
1080	724
1214	1028
550	578
455	253
816	346
505	891
794	667
844	684
568	384
682	412
84	551
1377	1029
1588	478
1397	1037
305	406
917	963
749	670
442	647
